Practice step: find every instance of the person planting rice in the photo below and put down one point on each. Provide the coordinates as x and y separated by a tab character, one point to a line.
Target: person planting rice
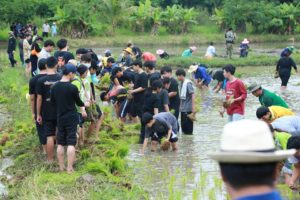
284	68
159	126
189	52
200	76
269	114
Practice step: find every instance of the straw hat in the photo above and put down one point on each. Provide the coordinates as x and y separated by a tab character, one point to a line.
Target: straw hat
128	50
249	141
193	48
192	68
160	51
253	87
245	41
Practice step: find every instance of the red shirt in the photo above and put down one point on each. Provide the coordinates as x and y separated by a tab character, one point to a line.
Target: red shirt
147	56
235	90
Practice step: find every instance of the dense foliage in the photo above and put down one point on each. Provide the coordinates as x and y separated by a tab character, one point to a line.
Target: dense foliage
105	17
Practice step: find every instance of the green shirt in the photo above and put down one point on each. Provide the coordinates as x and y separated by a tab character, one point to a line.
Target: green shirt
187	53
281	140
268	99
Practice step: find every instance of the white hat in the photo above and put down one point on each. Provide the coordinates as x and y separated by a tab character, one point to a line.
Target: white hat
248	141
192	68
245	41
160	51
193	48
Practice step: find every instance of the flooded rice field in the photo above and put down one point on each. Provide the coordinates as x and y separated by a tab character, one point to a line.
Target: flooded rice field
189	173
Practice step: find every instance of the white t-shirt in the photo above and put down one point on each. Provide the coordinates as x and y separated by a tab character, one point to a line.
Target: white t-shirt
46	28
210	51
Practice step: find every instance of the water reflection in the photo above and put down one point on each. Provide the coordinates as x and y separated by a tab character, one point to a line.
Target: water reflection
189	173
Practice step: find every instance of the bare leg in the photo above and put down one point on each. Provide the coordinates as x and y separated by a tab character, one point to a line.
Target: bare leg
81	136
50	148
98	124
45	149
174	146
60	157
283	88
71	158
154	146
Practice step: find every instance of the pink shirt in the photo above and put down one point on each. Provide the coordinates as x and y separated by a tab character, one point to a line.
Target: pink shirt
147	56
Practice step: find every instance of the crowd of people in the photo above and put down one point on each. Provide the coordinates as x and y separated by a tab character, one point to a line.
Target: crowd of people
64	94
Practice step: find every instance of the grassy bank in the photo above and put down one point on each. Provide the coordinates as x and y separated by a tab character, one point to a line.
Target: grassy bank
101	168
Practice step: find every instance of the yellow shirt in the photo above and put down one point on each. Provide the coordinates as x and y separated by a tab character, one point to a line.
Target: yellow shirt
278	111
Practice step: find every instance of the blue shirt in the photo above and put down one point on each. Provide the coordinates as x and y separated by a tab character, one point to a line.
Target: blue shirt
201	74
267	196
289	124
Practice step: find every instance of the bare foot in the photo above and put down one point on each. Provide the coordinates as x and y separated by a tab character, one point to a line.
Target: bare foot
70	170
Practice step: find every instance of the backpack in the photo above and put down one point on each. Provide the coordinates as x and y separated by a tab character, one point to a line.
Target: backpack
229	37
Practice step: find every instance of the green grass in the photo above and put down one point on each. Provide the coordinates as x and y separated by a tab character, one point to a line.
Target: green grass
34	179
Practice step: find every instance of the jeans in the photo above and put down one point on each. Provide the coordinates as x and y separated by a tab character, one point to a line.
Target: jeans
235	117
12	59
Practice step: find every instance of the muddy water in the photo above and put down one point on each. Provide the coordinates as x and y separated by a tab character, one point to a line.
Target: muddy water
176	50
189	173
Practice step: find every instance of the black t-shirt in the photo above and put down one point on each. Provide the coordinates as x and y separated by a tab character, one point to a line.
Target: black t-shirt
164	100
43	88
141	80
65	55
32	87
128	76
151	101
64	96
285	64
159	127
175	100
219	76
153	77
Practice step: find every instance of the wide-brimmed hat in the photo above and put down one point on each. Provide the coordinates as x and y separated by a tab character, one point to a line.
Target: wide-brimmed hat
249	141
245	41
192	68
253	87
128	50
193	48
159	51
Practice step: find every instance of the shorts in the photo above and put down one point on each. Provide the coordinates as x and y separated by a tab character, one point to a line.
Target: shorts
27	61
136	109
124	108
158	136
235	117
81	120
41	133
66	134
50	127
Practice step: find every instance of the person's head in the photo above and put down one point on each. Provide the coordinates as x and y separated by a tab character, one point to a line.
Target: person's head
86	59
149	66
28	36
93	68
264	113
49	45
166	72
110	61
38	40
42	64
130	45
248	158
228	71
211	44
147	119
157	85
180	73
51	62
166	83
230	29
62	44
294	143
255	89
107	53
117	72
80	52
137	65
104	96
69	71
82	71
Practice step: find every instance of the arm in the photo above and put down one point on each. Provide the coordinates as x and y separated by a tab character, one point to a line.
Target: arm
172	94
193	103
32	100
218	87
39	108
169	134
294	65
277	66
156	111
77	98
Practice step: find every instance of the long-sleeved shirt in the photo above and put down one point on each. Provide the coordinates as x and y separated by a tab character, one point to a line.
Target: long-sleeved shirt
64	96
286	63
202	75
11	44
